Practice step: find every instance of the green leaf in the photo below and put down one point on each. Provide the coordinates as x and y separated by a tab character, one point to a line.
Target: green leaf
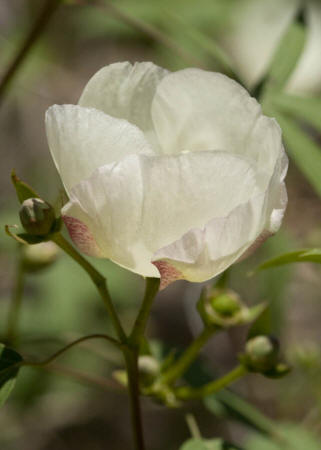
286	57
305	108
306	255
304	151
203	444
23	190
204	42
9	367
289	436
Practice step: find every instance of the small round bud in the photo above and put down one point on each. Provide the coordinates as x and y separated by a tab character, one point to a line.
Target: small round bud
37	216
226	304
261	354
39	256
148	368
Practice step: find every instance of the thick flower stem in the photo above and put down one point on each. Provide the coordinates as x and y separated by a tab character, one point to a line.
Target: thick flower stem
15	304
186	393
131	360
152	286
35	32
98	279
190	354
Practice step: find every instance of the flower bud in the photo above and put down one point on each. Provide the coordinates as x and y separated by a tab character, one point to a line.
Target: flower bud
37	216
261	354
226	304
148	368
224	308
39	256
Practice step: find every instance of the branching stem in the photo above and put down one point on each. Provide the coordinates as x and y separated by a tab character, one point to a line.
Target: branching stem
190	354
34	34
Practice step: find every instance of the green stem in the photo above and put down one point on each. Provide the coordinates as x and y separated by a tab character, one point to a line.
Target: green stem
61	351
69	346
131	360
152	286
190	354
16	300
129	346
193	426
187	392
147	29
98	279
31	39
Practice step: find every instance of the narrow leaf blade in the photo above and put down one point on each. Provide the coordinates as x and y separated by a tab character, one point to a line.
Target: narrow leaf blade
286	57
10	361
304	151
305	108
305	255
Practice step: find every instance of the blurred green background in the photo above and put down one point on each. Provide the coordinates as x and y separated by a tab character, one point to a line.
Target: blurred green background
73	405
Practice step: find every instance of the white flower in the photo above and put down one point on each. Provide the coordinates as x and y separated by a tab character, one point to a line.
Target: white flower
255	31
168	174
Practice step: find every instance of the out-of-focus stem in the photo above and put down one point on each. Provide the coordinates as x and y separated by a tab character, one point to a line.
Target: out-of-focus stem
16	300
187	392
147	29
69	346
131	360
35	32
190	354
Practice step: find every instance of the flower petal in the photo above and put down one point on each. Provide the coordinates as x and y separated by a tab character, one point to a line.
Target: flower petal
254	33
82	139
81	236
196	110
306	78
142	203
125	91
203	253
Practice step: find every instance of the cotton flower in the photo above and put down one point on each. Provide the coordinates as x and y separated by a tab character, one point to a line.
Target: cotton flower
171	175
253	35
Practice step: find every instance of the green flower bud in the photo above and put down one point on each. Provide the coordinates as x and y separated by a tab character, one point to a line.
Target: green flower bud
261	354
39	256
37	216
226	304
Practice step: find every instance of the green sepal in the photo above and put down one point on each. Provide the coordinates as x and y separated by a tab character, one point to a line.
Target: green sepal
279	371
261	355
23	190
10	362
24	238
222	308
